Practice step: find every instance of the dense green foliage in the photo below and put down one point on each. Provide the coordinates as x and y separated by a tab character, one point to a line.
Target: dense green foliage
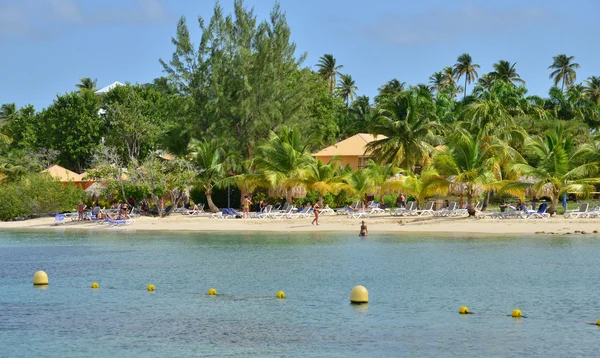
36	194
239	108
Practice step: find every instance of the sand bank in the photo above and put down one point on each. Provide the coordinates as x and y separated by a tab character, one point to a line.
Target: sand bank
376	224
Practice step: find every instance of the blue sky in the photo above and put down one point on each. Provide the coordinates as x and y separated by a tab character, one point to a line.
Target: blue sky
46	46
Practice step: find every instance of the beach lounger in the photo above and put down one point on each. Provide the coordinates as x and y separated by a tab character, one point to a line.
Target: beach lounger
359	214
59	219
119	222
580	212
301	213
410	206
427	211
540	213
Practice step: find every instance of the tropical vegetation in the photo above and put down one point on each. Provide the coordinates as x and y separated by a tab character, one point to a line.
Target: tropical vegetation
239	108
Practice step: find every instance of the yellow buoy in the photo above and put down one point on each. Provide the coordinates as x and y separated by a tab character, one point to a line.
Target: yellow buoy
95	285
212	292
517	313
359	294
40	278
463	310
280	294
598	323
150	287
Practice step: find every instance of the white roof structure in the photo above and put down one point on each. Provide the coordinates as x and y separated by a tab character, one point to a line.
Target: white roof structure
109	87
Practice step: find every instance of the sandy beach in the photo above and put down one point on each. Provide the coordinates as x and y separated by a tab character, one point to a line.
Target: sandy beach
376	224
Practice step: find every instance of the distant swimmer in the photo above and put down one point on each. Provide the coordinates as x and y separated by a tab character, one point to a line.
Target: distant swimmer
363	229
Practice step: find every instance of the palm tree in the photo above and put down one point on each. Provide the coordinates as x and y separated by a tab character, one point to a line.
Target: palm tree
465	67
505	72
359	118
558	167
391	88
324	178
592	89
470	163
328	70
410	128
87	84
485	83
213	162
347	88
358	184
414	185
437	81
564	70
282	161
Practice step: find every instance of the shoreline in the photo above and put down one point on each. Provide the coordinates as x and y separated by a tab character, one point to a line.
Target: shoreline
340	224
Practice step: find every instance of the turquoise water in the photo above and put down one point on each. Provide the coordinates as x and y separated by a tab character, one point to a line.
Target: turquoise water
416	285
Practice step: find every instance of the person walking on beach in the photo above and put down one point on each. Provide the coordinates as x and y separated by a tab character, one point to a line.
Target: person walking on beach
80	208
246	205
316	211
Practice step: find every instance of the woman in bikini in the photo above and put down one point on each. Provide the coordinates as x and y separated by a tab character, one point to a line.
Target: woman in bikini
246	205
316	211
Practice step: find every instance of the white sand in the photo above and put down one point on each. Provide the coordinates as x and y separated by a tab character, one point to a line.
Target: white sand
376	224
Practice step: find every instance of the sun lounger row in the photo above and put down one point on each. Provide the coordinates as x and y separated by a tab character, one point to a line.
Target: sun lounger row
511	212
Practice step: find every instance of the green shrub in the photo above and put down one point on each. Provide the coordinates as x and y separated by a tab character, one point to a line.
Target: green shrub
37	194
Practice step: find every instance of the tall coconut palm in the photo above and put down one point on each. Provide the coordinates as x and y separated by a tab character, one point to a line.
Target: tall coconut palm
558	167
87	84
469	162
592	89
564	70
505	72
282	161
213	161
328	70
347	88
410	128
465	67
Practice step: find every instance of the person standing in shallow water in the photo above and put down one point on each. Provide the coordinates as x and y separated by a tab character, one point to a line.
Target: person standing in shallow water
363	229
316	211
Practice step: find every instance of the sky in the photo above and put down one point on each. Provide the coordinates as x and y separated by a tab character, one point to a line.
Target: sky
47	46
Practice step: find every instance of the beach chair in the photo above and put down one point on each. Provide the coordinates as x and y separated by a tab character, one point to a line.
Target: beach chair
59	219
427	211
327	211
345	210
301	213
581	211
289	209
119	221
539	214
264	213
410	206
443	212
359	214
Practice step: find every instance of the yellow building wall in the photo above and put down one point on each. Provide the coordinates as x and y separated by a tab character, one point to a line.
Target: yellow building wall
354	161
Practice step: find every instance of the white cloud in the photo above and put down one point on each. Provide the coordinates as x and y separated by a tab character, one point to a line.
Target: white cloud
45	18
448	25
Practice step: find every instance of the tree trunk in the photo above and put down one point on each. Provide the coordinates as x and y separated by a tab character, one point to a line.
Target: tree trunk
553	205
211	206
320	200
486	200
470	208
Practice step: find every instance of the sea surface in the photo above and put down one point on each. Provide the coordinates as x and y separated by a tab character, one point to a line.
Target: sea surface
416	285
